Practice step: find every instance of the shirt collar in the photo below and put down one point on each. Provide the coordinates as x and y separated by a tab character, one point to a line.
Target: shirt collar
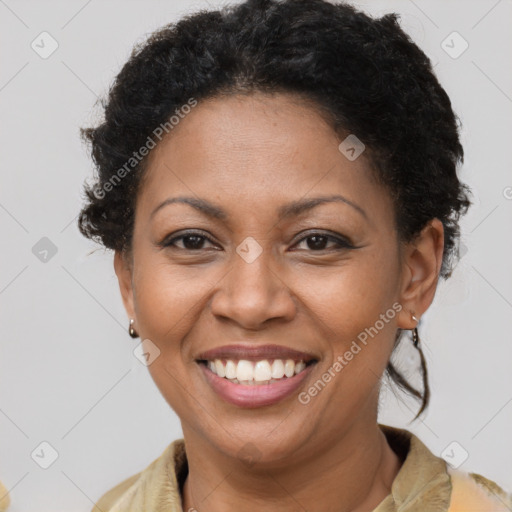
421	483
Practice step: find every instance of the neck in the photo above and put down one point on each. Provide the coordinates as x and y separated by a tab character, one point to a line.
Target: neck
352	475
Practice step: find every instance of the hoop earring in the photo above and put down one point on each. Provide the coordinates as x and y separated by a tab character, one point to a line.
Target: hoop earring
131	331
415	335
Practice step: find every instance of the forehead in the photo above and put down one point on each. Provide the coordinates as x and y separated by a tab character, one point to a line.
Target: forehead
253	149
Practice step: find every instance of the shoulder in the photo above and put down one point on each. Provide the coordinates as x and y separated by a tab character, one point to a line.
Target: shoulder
425	476
158	481
474	492
106	502
5	500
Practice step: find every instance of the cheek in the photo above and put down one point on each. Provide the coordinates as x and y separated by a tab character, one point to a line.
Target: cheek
357	320
167	302
355	309
167	298
352	296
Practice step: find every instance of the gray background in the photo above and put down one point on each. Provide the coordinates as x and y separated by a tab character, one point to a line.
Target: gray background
67	372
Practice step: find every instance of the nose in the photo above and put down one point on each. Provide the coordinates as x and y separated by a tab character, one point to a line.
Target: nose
253	292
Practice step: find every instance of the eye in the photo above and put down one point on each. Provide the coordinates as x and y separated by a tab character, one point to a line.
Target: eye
317	241
191	241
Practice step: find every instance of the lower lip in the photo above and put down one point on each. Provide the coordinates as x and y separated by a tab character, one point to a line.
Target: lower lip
258	395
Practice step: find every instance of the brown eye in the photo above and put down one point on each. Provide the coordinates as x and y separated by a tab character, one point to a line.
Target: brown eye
191	241
320	241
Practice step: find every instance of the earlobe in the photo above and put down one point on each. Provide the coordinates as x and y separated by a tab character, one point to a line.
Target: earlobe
124	276
422	265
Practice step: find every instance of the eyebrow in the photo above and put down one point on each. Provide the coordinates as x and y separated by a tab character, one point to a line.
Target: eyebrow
286	211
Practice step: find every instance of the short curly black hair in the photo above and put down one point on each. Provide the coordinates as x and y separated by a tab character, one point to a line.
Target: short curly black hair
369	77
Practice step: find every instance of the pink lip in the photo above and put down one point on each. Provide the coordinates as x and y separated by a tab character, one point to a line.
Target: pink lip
253	352
257	395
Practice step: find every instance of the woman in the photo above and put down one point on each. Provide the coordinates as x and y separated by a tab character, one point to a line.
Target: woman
278	182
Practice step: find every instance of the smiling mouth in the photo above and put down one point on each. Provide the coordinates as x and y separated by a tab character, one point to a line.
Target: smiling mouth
256	373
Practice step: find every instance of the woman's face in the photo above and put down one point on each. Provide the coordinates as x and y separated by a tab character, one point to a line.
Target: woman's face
254	277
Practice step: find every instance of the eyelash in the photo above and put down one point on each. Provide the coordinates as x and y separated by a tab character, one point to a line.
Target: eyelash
341	243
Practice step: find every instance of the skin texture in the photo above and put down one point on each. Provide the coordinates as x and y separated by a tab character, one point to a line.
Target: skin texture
251	154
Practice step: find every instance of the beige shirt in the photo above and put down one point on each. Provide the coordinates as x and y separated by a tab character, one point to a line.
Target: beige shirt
423	484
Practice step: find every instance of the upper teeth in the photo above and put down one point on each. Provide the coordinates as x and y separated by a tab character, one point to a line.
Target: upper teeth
259	371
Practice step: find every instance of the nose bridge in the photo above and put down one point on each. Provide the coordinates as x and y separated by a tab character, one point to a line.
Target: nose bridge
252	270
252	291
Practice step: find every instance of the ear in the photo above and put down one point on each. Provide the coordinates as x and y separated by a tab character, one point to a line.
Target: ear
421	261
123	268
